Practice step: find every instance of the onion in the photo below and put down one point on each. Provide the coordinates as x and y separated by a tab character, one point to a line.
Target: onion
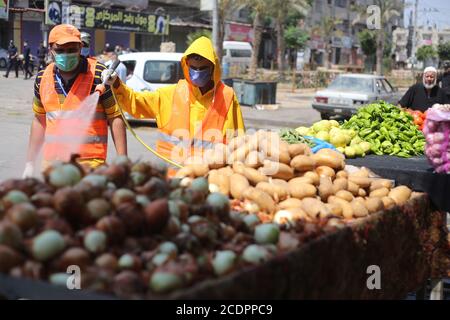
200	184
9	258
251	220
95	241
24	215
98	208
160	258
267	233
10	235
156	215
95	180
42	199
64	175
129	261
142	200
107	261
74	256
123	195
224	262
121	160
14	197
138	178
162	282
59	279
47	245
69	203
132	218
168	248
128	285
220	204
255	254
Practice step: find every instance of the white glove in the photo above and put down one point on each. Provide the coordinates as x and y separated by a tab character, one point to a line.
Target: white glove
29	170
109	76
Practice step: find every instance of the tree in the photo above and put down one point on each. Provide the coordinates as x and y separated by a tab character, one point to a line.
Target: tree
367	40
426	52
280	11
444	51
225	8
386	10
261	9
295	38
191	37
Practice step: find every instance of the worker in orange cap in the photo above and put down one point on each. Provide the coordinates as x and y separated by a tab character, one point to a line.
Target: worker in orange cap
59	92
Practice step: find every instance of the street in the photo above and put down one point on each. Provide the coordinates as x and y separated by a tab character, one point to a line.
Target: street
16	96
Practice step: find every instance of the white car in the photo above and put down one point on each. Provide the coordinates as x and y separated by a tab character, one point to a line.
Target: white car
148	71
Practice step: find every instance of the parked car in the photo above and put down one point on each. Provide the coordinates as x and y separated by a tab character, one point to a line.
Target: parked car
237	55
148	71
348	92
3	58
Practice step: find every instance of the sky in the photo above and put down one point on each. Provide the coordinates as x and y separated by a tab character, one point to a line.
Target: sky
430	12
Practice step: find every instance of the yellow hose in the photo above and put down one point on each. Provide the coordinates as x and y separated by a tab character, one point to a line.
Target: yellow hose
140	140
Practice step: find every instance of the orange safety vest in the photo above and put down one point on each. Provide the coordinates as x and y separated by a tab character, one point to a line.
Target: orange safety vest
175	142
66	132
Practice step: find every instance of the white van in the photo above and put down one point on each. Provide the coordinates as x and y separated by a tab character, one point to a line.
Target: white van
152	70
148	71
236	56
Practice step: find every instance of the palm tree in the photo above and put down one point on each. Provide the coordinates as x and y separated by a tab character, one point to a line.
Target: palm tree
388	10
261	9
280	10
225	8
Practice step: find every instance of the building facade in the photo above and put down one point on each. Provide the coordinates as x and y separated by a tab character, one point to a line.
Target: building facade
134	24
344	47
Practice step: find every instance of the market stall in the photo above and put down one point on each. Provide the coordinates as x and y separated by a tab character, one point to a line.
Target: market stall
294	224
407	244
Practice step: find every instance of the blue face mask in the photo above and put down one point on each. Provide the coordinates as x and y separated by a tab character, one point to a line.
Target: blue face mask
200	78
85	52
67	61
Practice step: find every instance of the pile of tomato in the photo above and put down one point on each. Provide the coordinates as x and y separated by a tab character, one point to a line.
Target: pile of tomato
418	117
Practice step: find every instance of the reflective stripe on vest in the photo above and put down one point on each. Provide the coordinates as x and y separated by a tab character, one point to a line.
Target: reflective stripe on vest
212	125
67	130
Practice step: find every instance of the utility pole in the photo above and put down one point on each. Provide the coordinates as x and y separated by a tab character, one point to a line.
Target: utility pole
414	38
215	24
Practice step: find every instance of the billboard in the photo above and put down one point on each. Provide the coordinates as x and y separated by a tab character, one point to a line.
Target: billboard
4	8
108	19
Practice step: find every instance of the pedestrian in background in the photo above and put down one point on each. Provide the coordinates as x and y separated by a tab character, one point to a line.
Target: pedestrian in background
26	60
13	54
42	56
86	40
111	56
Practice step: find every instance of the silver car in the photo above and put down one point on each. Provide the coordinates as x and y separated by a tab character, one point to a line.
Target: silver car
348	92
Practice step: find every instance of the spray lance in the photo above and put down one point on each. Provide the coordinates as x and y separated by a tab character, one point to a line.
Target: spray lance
101	89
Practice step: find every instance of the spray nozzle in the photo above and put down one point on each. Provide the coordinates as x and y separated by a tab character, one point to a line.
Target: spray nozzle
100	88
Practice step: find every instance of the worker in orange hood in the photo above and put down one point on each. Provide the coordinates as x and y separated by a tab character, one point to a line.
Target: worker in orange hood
196	112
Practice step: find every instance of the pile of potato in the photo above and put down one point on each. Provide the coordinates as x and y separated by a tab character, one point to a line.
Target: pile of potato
285	182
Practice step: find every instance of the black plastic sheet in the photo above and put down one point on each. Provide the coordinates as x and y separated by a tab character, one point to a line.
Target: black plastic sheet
415	172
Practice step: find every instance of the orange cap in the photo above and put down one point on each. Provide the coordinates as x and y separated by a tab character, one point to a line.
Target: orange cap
64	33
